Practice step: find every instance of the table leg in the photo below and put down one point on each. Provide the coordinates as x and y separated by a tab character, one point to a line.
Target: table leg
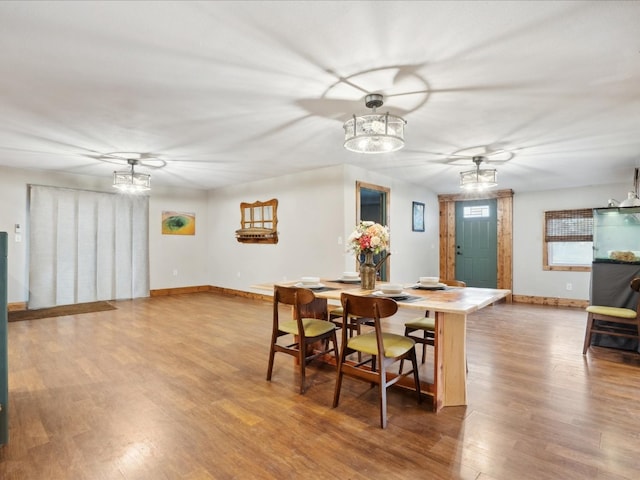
450	366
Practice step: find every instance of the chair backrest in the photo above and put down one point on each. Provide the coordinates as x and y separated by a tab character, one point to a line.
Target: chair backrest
635	286
294	296
367	307
453	283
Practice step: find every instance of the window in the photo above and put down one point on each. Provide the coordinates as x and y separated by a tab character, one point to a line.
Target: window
568	240
476	211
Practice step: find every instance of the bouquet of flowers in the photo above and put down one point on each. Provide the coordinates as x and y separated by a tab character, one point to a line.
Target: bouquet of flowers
368	237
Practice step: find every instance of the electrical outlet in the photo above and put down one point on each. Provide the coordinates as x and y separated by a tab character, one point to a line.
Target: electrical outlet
569	286
175	272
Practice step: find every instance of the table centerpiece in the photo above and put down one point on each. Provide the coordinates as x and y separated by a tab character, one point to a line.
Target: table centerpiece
368	239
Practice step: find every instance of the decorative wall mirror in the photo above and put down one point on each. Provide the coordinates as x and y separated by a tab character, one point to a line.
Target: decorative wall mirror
258	222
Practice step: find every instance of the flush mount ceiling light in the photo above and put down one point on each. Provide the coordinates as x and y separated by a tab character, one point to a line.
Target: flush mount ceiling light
129	181
374	133
478	179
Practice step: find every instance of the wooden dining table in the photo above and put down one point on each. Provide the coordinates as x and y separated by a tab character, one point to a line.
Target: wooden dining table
451	307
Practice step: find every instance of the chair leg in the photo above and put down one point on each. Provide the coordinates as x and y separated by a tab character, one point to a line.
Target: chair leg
424	347
272	354
374	366
416	375
587	334
302	354
383	396
336	392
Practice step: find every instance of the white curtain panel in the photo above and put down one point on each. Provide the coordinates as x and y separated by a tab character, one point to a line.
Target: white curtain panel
86	246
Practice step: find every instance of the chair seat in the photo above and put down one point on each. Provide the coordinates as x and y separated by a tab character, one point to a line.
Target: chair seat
394	345
422	323
312	327
612	311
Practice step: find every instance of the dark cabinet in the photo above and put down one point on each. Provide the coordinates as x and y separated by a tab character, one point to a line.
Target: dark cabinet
4	368
610	287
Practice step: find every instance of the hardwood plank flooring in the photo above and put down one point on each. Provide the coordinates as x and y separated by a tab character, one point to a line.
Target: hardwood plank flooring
174	387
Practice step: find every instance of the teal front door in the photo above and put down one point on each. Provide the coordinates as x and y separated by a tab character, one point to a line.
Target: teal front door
477	243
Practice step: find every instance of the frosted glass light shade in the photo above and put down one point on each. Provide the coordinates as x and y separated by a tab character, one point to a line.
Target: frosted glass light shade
131	182
374	133
478	179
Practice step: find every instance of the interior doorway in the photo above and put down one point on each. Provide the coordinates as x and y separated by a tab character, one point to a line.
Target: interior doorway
372	204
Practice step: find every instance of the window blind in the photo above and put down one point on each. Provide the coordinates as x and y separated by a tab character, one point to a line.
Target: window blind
569	225
86	246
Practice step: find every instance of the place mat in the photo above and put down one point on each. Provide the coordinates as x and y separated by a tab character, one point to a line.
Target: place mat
428	289
323	289
348	282
410	298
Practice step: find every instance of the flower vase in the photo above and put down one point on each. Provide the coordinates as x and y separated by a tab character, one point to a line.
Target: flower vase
368	272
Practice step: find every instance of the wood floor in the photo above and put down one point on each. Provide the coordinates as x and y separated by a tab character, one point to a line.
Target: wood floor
174	388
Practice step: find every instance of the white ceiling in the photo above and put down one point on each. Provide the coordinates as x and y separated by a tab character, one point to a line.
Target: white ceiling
229	92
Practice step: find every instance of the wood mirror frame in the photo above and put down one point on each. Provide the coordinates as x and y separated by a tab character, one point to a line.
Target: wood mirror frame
258	222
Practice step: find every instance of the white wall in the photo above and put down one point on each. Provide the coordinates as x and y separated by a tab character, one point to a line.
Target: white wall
316	208
186	253
413	254
316	213
181	254
528	222
310	218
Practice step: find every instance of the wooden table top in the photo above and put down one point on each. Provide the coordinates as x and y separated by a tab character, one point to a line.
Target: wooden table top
460	300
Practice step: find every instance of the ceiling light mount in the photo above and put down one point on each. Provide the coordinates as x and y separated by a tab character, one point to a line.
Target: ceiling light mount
373	100
130	181
478	179
374	133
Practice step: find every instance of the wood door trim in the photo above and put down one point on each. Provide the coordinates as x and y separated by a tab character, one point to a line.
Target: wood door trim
387	192
447	204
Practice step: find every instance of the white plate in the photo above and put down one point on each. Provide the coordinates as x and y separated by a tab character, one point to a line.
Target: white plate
312	286
380	293
350	280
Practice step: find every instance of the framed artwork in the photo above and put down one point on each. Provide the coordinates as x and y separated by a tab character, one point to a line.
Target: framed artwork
417	224
178	223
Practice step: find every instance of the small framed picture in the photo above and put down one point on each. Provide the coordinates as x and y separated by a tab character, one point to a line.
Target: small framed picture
178	223
417	224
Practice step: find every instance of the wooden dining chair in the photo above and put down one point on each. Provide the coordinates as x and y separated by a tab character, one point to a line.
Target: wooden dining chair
426	325
380	349
306	332
621	322
353	325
